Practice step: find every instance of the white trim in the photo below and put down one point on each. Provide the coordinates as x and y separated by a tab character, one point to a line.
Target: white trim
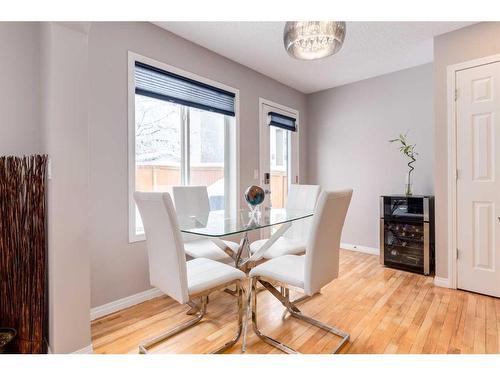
132	58
290	110
452	167
132	236
87	350
451	71
123	303
295	170
442	282
360	248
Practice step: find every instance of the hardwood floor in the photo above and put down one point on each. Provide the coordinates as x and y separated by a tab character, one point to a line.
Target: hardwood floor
384	310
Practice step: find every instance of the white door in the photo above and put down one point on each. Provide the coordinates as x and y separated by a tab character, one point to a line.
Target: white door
278	155
478	183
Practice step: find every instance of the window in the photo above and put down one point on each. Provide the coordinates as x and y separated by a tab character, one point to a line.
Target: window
281	128
183	133
279	142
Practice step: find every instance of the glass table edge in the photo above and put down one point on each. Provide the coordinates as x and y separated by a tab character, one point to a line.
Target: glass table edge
250	229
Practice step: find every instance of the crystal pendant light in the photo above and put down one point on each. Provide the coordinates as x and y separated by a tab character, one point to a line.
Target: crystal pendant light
311	40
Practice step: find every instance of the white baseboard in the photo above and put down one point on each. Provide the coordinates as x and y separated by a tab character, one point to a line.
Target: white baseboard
442	282
123	303
87	350
361	249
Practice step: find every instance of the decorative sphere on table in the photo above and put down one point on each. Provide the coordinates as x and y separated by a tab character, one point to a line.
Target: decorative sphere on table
254	195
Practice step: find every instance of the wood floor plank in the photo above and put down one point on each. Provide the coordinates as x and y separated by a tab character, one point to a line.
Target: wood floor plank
491	328
437	324
422	289
409	337
424	328
470	322
456	342
480	326
392	321
384	310
448	325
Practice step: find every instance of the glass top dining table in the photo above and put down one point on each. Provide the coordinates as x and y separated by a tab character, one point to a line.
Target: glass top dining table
215	224
224	223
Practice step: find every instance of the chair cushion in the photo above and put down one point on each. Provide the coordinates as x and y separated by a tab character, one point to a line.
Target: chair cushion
204	274
288	269
205	248
283	246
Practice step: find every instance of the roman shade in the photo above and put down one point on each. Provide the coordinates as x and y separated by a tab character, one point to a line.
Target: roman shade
282	121
160	84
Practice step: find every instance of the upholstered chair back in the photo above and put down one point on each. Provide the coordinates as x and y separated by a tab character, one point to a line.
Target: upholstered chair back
323	245
191	201
301	197
166	256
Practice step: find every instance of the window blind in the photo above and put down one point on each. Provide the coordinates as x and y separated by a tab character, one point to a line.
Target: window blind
282	121
163	85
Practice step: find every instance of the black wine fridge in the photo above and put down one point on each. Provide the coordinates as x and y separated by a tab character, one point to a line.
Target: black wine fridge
407	233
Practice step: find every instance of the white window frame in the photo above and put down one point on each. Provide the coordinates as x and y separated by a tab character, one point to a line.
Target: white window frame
232	154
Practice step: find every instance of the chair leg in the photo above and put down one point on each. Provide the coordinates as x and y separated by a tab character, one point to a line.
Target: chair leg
227	345
231	292
296	313
194	308
295	302
261	335
336	331
145	346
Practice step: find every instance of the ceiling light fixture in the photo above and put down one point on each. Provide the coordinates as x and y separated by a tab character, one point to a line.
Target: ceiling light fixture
311	40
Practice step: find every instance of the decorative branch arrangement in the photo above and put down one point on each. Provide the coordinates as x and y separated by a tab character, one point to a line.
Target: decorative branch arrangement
407	150
23	250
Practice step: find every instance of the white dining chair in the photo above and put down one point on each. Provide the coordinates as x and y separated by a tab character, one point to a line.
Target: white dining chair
293	241
309	272
180	279
194	201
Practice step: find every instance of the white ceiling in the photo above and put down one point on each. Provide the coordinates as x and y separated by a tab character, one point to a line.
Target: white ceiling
370	49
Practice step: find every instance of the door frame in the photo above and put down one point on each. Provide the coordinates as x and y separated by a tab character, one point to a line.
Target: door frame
453	173
282	107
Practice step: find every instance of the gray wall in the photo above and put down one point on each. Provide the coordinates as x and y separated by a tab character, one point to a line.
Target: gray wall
345	141
348	132
20	88
119	269
469	43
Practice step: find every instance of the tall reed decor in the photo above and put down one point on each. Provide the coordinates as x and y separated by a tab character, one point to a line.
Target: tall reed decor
23	251
407	150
